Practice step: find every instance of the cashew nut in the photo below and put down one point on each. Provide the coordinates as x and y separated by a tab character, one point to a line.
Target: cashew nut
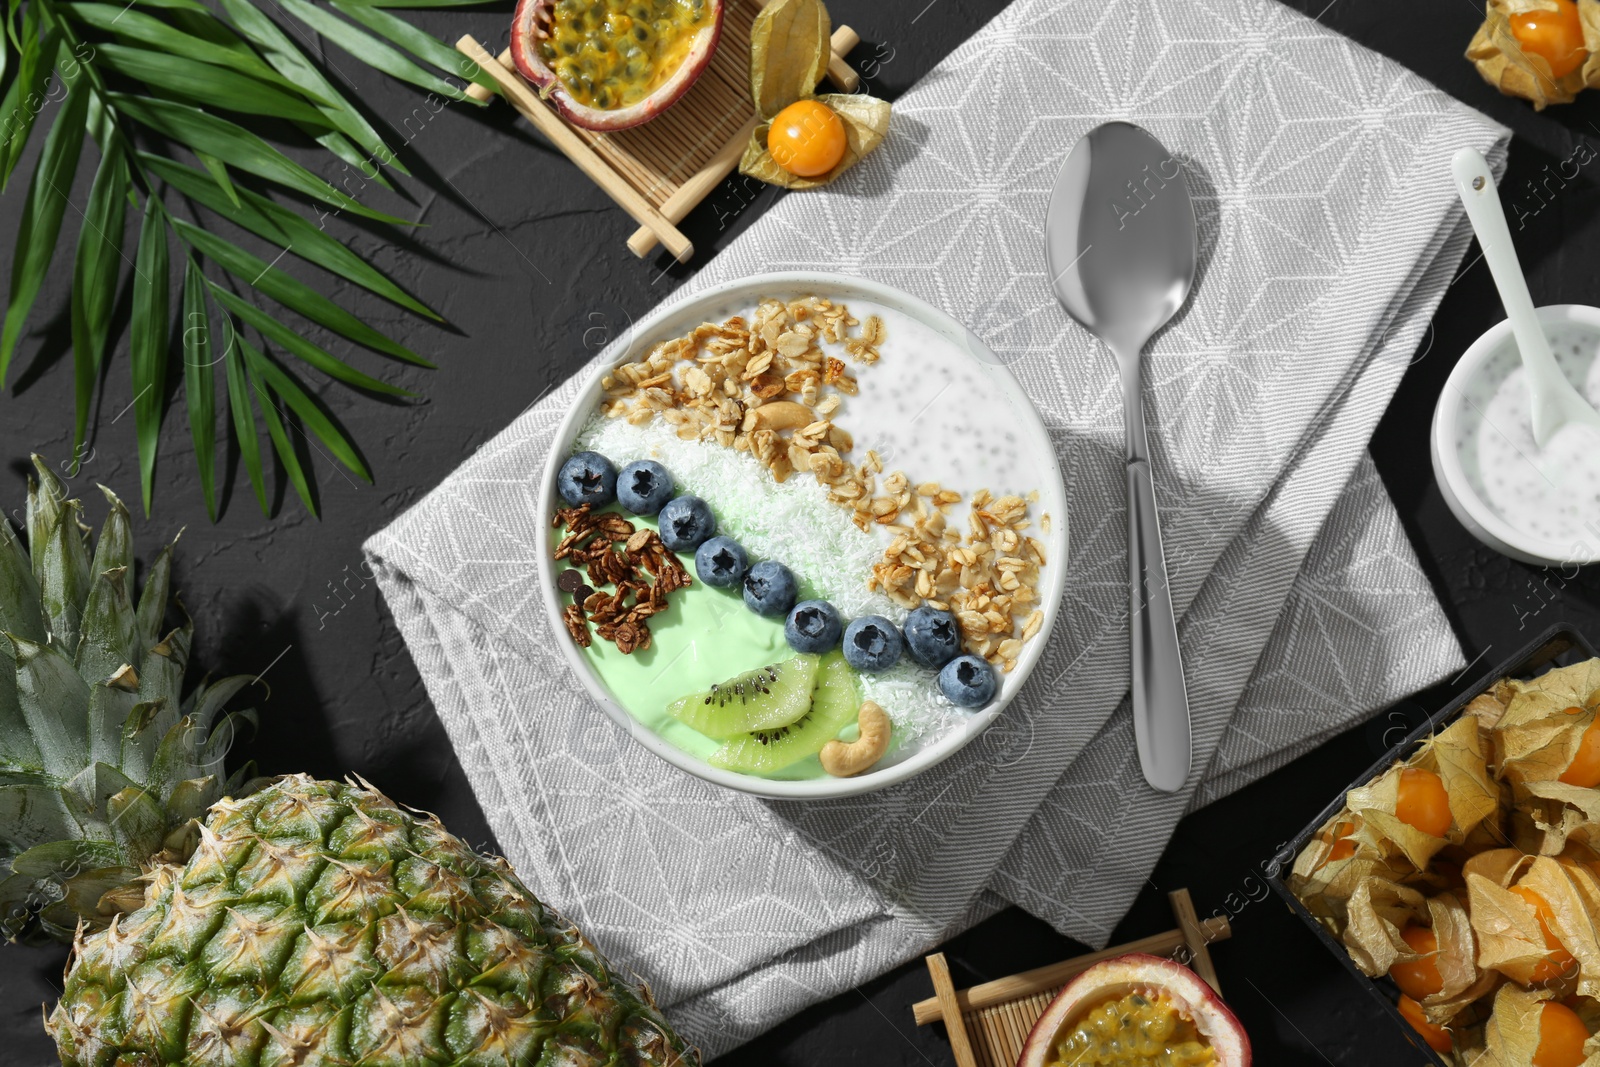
783	415
846	760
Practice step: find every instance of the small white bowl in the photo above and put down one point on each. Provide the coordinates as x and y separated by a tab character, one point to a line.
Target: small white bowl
1464	501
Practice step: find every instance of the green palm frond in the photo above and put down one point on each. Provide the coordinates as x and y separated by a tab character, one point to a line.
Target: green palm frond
150	83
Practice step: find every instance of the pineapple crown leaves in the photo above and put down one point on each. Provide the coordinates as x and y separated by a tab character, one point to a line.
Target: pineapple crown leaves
104	762
150	82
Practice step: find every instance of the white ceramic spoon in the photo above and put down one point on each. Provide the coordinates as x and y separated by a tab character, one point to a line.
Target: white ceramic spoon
1556	401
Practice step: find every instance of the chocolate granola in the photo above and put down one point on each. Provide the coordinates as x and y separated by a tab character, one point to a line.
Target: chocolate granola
635	562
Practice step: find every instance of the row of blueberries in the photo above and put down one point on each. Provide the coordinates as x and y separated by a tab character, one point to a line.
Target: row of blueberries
870	643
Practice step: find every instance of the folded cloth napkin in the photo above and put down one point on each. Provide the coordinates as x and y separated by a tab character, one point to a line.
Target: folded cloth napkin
1329	231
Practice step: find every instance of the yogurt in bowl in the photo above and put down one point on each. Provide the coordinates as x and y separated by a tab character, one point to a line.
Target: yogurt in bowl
1538	505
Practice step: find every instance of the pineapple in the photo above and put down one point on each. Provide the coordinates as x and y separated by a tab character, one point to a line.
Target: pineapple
103	767
318	923
236	920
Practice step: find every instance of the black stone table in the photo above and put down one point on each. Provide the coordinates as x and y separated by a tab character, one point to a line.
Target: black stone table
527	258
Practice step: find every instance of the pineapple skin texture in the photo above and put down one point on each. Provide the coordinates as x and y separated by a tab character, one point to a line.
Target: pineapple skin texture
317	924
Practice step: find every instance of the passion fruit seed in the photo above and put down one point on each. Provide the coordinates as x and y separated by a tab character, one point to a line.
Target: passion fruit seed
1140	1028
613	53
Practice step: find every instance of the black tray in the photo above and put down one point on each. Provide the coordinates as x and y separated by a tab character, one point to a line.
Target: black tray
1558	646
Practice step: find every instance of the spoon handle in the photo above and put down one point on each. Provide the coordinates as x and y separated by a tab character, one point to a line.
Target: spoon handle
1160	699
1546	382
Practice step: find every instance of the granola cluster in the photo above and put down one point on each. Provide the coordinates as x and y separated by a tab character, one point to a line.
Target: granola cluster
592	541
989	579
768	387
748	383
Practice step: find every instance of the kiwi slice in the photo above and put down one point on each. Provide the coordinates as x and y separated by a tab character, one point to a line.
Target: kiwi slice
763	699
834	706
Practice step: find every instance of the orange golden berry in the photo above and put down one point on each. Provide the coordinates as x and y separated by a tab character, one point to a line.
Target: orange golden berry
1423	802
1437	1037
1557	36
806	138
1561	1037
1343	848
1419	978
1584	770
1559	961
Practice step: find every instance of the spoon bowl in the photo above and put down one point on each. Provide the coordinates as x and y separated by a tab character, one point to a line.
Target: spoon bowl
1122	252
1556	402
1120	237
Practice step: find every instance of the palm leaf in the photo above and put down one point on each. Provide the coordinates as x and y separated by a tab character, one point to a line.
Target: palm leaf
202	83
424	46
129	24
420	3
191	7
334	113
177	64
38	59
281	444
94	280
368	49
280	384
239	148
311	353
287	58
219	174
199	384
41	218
148	332
244	423
286	229
290	292
346	149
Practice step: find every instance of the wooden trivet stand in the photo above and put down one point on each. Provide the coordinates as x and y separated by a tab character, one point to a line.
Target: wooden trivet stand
988	1023
657	172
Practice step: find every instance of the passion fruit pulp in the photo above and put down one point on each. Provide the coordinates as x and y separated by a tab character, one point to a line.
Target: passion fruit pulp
1139	1010
608	70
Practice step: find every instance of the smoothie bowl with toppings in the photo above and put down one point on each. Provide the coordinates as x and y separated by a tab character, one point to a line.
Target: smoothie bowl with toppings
804	537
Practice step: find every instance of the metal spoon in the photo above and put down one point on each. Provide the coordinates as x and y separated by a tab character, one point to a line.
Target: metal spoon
1556	401
1121	248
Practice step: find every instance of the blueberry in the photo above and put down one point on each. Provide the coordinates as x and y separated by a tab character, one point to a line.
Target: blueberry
813	626
968	681
643	486
932	637
587	478
872	643
721	562
686	523
769	588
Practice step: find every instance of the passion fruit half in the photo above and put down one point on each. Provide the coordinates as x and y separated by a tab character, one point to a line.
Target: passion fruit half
1137	1009
627	60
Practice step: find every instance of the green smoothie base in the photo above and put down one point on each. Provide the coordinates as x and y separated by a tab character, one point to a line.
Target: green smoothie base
705	637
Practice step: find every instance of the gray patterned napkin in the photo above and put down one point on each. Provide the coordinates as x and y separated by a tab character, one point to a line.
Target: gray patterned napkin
1329	232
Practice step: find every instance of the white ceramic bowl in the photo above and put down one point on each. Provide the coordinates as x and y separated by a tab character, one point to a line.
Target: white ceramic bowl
678	319
1463	499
